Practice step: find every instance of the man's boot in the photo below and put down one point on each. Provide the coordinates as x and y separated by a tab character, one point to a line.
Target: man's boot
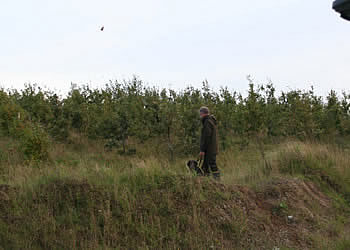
216	175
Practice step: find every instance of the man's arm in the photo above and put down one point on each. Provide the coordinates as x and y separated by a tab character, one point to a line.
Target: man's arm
205	136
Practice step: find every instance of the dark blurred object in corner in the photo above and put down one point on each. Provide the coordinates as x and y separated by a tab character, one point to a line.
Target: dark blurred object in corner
343	7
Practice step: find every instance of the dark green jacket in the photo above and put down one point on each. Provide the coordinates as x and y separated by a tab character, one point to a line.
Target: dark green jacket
209	136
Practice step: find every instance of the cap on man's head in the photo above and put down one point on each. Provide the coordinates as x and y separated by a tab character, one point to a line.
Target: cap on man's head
204	110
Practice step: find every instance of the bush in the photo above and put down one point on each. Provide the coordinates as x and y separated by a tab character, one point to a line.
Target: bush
34	143
11	115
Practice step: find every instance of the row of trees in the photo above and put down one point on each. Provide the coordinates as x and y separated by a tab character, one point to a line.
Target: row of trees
127	109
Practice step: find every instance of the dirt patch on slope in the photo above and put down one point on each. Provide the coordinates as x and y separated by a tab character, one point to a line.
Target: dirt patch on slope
285	211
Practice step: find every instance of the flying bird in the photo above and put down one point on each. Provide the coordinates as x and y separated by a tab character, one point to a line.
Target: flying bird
102	28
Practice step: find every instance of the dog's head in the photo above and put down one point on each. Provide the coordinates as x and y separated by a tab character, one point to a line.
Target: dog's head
192	164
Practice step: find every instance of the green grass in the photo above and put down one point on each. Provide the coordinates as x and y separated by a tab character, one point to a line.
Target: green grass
325	165
154	209
86	198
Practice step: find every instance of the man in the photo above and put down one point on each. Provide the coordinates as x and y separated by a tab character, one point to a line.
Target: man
209	143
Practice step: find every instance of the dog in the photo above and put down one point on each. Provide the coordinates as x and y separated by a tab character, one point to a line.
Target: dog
194	167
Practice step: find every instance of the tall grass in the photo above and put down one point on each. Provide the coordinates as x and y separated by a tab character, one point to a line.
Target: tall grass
327	165
87	198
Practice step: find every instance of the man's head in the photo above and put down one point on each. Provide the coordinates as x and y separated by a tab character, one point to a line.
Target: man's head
203	112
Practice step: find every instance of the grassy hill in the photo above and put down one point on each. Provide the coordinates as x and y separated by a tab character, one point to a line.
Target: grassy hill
296	195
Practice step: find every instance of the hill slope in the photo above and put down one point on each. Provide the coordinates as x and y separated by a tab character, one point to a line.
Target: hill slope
94	200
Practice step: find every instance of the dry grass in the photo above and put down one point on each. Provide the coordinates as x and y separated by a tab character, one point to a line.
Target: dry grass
96	199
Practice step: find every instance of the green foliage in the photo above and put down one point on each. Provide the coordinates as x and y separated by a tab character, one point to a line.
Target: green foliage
34	143
343	244
34	100
16	122
281	209
11	115
127	110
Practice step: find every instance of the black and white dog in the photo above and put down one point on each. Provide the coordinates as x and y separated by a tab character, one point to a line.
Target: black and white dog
194	167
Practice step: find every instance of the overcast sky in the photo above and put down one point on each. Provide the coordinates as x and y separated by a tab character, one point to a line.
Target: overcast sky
294	43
